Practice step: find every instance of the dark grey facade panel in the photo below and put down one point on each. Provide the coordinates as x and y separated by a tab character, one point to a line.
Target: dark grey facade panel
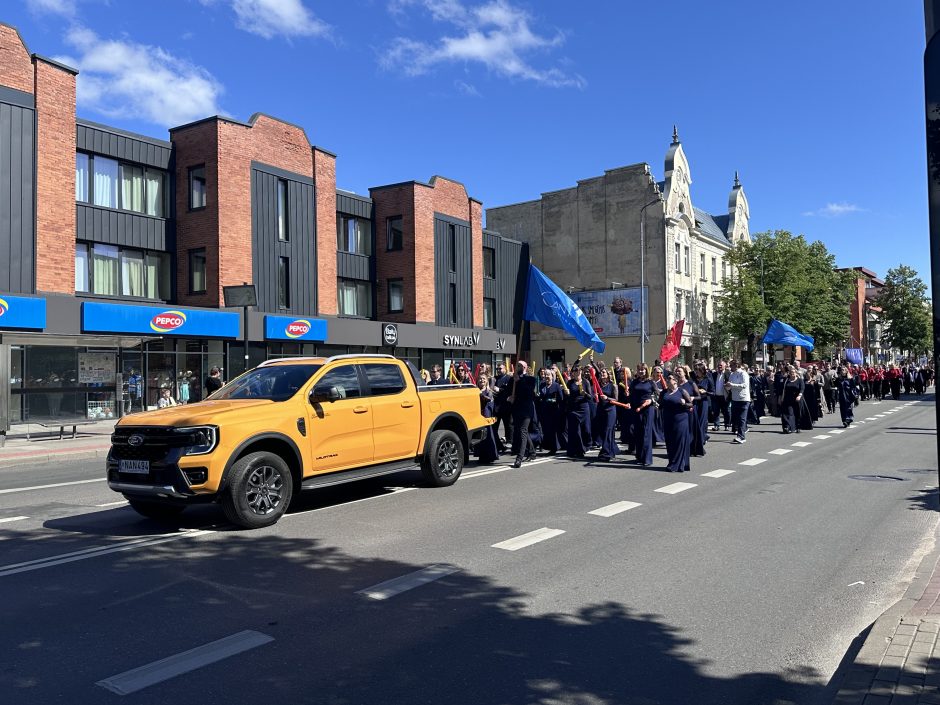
350	205
21	99
491	288
283	173
120	228
267	249
17	199
491	240
122	146
352	266
451	219
462	278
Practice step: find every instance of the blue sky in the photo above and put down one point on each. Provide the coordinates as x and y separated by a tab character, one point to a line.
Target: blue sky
818	105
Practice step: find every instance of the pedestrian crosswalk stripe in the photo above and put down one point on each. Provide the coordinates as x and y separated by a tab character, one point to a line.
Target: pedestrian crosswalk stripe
615	508
676	488
717	473
780	451
753	461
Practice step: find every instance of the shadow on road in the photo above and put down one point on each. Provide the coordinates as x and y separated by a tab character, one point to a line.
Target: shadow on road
925	498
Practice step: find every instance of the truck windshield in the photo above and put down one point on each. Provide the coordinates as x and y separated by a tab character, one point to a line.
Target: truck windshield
277	383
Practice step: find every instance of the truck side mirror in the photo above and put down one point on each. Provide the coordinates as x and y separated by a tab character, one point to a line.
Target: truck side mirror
321	394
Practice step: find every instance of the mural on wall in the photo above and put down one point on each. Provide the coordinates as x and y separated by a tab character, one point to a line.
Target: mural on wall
613	312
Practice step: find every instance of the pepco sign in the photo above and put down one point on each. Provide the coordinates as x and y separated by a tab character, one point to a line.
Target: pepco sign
168	321
298	328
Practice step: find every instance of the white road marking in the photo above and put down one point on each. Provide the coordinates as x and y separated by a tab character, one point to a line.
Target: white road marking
857	582
9	519
780	451
822	437
801	444
502	468
753	461
112	504
57	484
398	490
396	586
676	488
836	431
178	664
50	561
615	508
717	473
880	416
514	544
870	418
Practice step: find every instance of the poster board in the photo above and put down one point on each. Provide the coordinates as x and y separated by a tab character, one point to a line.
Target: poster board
96	368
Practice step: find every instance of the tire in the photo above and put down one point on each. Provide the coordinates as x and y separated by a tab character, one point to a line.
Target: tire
260	487
443	462
161	511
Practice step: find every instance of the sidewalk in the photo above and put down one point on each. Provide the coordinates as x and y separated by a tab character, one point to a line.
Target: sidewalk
899	663
91	442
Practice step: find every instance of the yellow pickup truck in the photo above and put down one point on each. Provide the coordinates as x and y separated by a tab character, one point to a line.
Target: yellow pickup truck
293	424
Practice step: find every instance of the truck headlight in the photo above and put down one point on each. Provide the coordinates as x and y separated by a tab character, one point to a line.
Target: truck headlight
204	439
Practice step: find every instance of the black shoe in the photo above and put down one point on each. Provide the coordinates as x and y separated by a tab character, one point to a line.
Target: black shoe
517	463
530	458
603	458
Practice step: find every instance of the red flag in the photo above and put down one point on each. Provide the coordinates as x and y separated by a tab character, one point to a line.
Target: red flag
673	342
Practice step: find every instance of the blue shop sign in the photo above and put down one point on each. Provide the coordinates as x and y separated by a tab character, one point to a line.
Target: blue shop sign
162	320
292	328
21	312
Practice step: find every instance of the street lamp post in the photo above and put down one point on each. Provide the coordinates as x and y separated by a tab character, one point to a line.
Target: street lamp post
763	345
643	277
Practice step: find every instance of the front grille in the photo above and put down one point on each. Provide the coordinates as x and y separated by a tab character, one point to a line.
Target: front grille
144	452
159	443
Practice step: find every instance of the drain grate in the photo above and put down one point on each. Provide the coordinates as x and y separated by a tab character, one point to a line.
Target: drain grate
876	478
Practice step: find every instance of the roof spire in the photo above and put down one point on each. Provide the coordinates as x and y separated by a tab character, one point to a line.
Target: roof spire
675	135
737	181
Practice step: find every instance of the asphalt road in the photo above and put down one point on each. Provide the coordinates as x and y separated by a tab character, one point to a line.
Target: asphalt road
747	587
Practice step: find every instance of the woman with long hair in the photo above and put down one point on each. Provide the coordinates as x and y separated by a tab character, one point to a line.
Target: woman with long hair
549	406
678	411
705	387
641	401
576	414
791	400
607	416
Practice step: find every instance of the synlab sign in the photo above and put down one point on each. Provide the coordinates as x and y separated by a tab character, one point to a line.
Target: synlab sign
22	313
120	318
290	328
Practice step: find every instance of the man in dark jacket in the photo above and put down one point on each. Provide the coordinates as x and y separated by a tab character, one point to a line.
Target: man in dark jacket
503	406
523	413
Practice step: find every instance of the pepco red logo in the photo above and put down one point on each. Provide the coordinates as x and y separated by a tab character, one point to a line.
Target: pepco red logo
4	307
167	321
298	328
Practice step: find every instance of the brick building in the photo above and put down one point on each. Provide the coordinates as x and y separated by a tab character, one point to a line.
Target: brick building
116	251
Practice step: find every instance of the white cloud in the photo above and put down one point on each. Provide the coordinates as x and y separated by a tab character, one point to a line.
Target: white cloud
65	8
834	210
467	89
495	34
123	79
271	18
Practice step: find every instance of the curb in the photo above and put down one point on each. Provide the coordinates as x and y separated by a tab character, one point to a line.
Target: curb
35	458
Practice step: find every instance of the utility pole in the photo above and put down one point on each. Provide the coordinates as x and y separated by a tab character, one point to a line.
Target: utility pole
763	345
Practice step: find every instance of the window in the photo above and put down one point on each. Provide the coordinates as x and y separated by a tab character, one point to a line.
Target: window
384	379
197	187
105	183
396	296
687	261
197	271
724	270
354	298
395	233
704	310
344	380
714	270
489	313
104	270
132	273
282	230
81	267
81	177
157	275
701	259
452	247
453	304
353	235
489	263
678	258
155	192
678	306
283	282
132	188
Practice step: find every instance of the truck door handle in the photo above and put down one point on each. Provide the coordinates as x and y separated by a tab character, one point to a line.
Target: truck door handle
407	404
360	409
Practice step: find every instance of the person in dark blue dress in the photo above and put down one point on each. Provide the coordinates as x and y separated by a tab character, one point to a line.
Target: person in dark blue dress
486	449
758	395
706	389
625	417
576	414
678	408
641	401
607	415
659	436
697	434
847	392
791	400
549	406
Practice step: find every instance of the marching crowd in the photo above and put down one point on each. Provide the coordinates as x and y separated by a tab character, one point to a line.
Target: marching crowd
590	405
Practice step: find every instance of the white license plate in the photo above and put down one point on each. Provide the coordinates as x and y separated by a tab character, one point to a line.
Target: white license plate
141	467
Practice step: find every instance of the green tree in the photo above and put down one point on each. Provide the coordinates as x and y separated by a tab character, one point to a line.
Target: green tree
905	311
779	275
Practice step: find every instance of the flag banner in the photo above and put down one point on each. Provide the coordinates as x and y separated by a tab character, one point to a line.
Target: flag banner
854	355
673	342
547	304
779	333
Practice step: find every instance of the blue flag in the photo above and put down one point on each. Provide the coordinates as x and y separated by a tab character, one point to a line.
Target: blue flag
550	306
854	355
779	333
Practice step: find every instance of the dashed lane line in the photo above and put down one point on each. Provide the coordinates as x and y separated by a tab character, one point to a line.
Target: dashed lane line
178	664
56	484
396	586
821	437
801	444
717	473
837	430
533	537
676	487
112	504
753	461
780	451
615	508
6	520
